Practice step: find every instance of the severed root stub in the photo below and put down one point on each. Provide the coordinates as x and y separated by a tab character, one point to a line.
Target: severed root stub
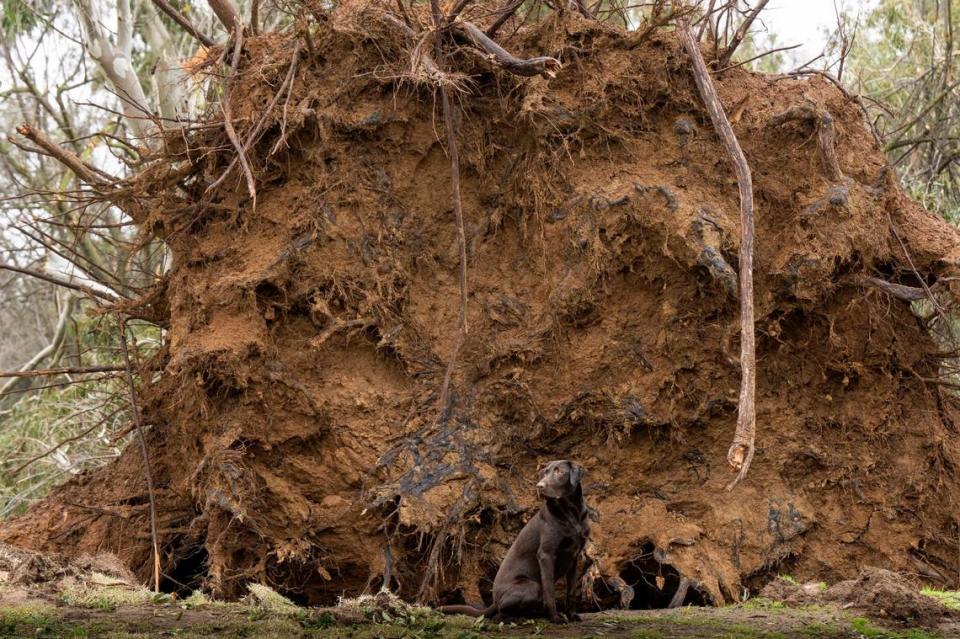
739	457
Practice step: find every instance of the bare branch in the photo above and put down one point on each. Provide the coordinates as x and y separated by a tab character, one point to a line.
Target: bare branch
740	34
63	370
227	14
58	334
82	170
90	292
181	20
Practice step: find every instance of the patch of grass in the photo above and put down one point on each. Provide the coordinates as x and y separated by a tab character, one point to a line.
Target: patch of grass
789	579
821	630
197	599
949	598
268	600
83	595
28	615
648	633
865	628
762	603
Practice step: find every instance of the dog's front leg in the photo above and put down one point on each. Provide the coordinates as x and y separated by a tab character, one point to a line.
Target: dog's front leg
547	558
570	601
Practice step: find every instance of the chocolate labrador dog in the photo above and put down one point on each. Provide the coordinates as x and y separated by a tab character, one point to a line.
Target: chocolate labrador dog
548	546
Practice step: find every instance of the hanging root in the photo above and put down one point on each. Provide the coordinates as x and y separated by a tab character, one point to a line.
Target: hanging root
742	449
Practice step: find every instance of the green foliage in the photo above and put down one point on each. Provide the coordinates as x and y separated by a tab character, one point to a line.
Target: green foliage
17	17
70	427
903	59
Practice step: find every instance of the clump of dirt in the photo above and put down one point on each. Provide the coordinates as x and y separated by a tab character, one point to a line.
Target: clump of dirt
295	435
882	593
875	592
793	593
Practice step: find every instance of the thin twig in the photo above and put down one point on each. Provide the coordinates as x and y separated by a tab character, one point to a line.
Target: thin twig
64	370
146	457
508	10
757	57
743	447
16	471
740	34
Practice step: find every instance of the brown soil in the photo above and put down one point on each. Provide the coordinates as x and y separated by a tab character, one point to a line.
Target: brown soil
296	437
875	592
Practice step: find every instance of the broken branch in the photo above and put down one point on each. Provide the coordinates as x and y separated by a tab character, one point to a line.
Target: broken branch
743	447
65	157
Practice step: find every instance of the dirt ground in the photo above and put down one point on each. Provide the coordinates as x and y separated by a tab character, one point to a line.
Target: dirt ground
295	434
761	619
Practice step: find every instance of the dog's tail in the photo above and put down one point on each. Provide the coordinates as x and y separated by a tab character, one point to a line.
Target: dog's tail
470	611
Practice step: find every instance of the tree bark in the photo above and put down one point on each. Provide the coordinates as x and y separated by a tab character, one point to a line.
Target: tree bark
114	61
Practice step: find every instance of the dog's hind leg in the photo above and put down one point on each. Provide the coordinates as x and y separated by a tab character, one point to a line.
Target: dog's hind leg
521	599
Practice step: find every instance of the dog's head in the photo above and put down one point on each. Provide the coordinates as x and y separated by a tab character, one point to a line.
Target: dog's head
560	478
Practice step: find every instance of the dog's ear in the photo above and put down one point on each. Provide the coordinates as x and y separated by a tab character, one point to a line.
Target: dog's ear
576	474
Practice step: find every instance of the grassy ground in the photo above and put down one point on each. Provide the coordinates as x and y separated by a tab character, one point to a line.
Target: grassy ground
120	614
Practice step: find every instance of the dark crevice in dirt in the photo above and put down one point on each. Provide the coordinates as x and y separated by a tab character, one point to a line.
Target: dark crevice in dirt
188	573
656	583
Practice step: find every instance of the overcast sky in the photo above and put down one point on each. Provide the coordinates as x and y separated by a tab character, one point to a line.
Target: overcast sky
806	22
